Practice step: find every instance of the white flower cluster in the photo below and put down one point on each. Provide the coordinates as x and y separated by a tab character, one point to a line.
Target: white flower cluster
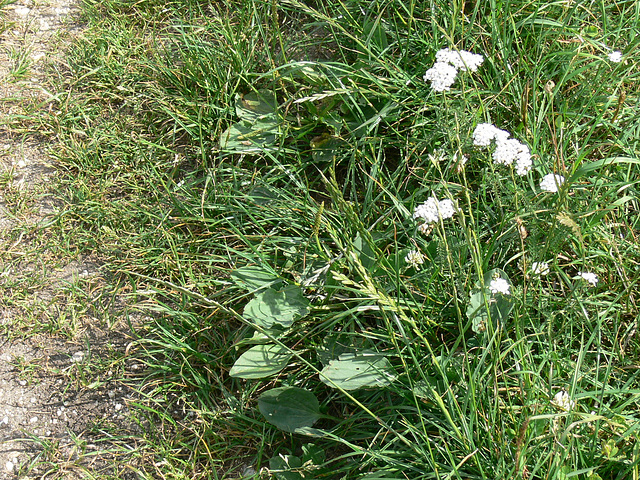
441	76
563	401
551	183
615	56
499	285
444	72
592	278
433	210
414	258
507	151
460	59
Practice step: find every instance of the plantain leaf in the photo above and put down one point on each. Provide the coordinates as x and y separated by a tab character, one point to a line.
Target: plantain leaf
254	277
261	361
289	408
271	307
255	106
356	370
246	137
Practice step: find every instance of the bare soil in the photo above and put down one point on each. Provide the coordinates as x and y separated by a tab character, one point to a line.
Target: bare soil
62	399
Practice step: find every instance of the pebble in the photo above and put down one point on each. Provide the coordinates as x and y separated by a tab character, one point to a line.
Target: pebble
77	357
9	466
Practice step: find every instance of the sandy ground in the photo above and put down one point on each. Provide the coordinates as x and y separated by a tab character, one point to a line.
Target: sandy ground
59	400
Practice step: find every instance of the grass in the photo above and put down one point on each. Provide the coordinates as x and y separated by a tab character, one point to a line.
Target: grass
226	162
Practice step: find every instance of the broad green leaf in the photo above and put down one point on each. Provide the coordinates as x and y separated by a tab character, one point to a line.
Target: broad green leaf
324	148
289	408
245	137
263	195
333	345
261	338
313	453
365	253
282	465
271	307
254	277
499	306
261	361
255	106
356	370
564	473
424	389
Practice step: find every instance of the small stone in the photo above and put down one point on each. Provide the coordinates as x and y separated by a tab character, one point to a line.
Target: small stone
118	407
33	420
22	382
77	357
9	466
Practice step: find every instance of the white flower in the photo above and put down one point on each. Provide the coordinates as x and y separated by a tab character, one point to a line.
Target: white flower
463	60
484	133
563	401
507	151
499	285
540	268
414	258
442	75
592	278
615	56
523	161
433	210
551	183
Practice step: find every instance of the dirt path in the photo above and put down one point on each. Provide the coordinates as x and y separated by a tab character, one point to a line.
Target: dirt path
61	405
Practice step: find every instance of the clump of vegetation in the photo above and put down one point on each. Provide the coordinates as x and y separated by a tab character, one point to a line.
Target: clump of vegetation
380	239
